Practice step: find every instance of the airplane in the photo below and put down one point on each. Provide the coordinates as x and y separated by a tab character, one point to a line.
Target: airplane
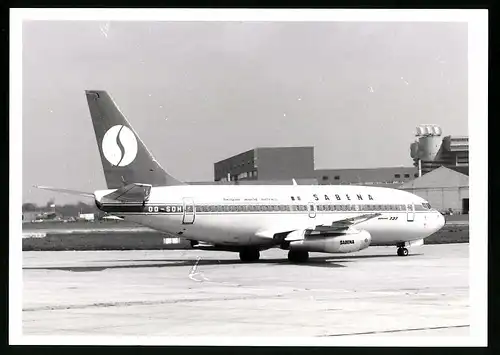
247	219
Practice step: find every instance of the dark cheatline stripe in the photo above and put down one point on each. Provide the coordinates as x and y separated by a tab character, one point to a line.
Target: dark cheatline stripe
245	209
124	208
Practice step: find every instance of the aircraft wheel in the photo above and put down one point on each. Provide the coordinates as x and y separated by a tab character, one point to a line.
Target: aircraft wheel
298	256
249	255
402	252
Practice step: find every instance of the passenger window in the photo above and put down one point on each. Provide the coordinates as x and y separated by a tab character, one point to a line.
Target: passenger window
356	207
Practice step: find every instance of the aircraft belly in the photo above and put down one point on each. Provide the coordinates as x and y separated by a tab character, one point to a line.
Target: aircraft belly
241	229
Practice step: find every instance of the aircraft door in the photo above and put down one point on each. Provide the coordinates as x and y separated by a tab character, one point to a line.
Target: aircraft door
410	212
189	211
311	207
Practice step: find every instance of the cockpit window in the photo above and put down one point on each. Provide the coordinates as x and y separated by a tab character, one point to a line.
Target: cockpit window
426	205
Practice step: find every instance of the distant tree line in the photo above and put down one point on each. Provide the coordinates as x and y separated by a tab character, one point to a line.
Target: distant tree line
63	210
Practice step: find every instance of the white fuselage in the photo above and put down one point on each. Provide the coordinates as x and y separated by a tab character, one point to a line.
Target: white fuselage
252	214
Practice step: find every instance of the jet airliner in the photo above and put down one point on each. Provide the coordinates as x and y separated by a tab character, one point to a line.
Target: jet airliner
247	219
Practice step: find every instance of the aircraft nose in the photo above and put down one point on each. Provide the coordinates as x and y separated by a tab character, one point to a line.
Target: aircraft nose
440	221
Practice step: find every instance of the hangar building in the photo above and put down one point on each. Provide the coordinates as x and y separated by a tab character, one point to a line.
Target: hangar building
282	164
389	176
444	188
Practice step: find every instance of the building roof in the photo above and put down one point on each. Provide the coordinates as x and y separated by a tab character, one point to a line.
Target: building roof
438	178
461	169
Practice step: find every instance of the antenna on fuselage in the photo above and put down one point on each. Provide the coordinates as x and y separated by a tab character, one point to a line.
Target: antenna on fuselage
294	182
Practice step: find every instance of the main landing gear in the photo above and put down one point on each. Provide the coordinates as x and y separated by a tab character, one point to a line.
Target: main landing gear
402	251
298	256
249	255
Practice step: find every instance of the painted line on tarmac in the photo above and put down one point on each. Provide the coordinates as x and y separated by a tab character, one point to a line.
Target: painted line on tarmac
397	330
146	303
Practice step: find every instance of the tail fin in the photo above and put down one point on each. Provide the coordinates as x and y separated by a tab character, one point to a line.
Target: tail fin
125	159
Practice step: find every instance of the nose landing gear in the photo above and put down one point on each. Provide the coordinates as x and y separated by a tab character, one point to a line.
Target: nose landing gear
402	251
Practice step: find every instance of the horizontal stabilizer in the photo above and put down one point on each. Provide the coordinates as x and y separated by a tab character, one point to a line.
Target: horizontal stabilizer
132	193
66	191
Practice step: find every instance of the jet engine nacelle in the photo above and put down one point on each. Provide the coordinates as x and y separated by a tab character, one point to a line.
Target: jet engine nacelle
349	242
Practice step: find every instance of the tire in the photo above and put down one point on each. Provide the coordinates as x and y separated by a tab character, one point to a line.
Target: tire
298	256
249	255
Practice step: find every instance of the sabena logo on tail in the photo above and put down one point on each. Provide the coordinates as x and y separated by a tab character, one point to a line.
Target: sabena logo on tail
119	145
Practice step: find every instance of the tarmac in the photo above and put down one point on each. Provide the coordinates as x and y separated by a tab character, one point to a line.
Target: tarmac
208	293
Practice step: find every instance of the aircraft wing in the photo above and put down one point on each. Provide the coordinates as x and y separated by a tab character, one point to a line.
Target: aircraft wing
335	226
344	224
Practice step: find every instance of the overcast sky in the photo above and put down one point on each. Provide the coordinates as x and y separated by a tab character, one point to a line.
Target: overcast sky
198	92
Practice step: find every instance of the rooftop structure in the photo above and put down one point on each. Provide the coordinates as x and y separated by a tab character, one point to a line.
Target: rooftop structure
430	150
